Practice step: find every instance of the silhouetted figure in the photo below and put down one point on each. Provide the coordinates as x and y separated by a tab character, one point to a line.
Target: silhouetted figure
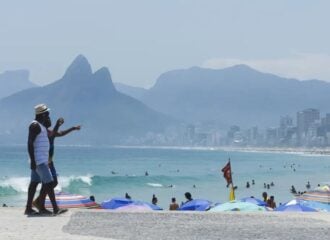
272	184
194	186
188	197
308	185
154	200
268	186
92	198
127	196
293	190
265	186
253	182
146	173
264	196
247	184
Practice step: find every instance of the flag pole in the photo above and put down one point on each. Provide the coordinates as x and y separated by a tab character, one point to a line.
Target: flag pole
232	190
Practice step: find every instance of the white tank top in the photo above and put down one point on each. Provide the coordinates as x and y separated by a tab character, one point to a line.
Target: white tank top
41	146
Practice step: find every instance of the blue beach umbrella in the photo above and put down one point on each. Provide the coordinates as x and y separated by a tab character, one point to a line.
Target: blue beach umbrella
134	208
152	206
253	200
196	205
319	206
237	206
116	203
294	206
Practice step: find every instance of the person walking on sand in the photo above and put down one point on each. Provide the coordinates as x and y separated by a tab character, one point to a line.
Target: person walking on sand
38	149
173	205
39	203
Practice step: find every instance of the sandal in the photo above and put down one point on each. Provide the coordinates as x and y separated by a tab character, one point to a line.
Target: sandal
60	211
30	212
45	212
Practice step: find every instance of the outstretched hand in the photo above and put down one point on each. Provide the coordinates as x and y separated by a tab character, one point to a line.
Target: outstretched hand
60	121
77	127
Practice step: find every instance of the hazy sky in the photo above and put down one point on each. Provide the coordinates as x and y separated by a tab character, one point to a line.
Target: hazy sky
140	39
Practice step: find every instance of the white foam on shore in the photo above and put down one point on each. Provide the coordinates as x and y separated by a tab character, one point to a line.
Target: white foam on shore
65	181
19	184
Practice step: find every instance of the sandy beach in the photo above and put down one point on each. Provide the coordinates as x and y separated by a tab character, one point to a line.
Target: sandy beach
100	224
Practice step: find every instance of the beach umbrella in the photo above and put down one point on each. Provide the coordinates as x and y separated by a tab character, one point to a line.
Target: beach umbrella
196	205
134	208
319	194
319	206
253	200
67	200
294	206
115	203
237	206
152	206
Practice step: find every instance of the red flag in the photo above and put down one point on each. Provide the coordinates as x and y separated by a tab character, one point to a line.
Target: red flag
227	173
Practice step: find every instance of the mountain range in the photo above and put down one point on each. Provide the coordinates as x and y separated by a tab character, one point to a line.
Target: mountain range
14	81
236	95
82	97
111	114
135	92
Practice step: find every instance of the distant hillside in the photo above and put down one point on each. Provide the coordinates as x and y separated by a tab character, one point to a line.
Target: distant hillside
82	97
135	92
14	81
236	95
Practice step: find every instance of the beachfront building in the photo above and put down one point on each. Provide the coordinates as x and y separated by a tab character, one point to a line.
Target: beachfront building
305	120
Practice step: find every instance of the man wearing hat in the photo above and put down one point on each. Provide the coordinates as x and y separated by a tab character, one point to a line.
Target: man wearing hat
38	148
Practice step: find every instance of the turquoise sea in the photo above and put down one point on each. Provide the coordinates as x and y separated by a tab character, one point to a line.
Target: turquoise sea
108	172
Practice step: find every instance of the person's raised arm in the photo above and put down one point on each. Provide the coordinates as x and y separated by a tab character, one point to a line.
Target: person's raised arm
65	132
34	130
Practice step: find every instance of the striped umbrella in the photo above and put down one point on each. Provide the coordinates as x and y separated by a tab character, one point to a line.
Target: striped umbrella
67	200
319	194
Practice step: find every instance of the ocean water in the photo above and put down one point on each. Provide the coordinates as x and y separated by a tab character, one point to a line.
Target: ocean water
108	172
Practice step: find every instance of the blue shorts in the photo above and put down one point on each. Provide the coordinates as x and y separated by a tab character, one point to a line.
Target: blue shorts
44	173
35	177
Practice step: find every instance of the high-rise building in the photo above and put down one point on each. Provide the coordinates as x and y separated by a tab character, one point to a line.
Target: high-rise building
305	119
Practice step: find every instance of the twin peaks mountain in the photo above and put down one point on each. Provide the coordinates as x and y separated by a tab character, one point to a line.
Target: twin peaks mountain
237	95
82	97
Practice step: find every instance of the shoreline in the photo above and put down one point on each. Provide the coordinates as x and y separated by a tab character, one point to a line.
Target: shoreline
289	150
100	224
312	151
